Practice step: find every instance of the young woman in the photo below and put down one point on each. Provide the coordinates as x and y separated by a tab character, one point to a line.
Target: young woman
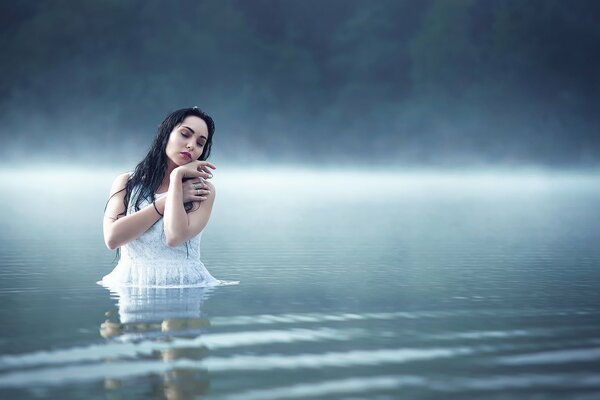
155	215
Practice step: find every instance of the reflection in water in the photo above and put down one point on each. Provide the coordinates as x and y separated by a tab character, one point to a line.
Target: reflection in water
159	314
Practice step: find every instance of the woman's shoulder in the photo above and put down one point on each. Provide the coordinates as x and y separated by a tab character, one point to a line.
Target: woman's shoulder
125	175
121	180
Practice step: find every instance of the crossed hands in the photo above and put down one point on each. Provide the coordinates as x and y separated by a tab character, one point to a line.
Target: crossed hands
193	175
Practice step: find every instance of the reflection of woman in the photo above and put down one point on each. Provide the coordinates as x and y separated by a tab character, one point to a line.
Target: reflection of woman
155	316
156	214
155	312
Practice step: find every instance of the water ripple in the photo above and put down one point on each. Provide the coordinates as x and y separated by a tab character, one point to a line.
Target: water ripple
521	381
266	319
119	369
321	389
332	359
116	350
553	357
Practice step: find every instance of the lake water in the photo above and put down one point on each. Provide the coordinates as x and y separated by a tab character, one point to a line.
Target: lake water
353	285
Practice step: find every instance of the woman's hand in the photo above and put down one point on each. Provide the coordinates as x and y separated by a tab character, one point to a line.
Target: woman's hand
195	169
179	224
194	189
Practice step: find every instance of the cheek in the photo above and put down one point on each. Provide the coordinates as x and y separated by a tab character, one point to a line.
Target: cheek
172	142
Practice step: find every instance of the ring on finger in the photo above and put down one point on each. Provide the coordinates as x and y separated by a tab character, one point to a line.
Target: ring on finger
198	192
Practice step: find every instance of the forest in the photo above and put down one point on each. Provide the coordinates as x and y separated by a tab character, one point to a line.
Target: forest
419	82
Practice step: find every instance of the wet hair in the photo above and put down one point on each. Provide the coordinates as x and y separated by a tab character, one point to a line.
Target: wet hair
149	173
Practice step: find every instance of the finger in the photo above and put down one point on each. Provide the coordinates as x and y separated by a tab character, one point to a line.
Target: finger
206	170
209	165
200	175
191	183
196	184
202	184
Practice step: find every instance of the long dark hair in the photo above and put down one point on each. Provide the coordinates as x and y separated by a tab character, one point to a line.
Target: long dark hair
149	173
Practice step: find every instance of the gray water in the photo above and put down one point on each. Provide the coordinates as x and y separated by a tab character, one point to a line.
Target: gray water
353	285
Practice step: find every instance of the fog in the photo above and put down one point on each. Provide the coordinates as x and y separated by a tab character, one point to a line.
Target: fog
418	84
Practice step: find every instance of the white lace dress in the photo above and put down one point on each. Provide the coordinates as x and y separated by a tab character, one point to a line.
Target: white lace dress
148	262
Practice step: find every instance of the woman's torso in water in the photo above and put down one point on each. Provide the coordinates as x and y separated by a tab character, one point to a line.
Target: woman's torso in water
148	262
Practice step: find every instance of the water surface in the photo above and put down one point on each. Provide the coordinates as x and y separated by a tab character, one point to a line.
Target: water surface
353	285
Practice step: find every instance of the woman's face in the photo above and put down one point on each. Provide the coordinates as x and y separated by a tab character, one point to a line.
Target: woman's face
187	140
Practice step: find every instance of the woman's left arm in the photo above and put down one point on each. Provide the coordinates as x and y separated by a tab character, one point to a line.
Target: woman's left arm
180	225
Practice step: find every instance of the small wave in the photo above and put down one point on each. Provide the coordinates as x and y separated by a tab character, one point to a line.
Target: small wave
119	369
332	359
457	385
552	357
115	350
521	381
482	335
328	388
78	373
266	319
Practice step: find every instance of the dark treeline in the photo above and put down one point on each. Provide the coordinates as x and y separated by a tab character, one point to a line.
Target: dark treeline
408	82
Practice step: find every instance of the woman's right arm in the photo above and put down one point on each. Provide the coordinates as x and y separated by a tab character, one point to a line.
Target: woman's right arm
119	228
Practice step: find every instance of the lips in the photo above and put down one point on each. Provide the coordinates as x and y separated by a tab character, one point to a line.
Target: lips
186	155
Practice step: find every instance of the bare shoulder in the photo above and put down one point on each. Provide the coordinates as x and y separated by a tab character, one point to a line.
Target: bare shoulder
120	182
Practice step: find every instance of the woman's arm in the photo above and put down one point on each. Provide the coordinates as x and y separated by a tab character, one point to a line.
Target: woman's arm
120	229
180	225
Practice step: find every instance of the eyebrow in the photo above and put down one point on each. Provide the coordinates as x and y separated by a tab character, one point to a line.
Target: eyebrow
187	127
